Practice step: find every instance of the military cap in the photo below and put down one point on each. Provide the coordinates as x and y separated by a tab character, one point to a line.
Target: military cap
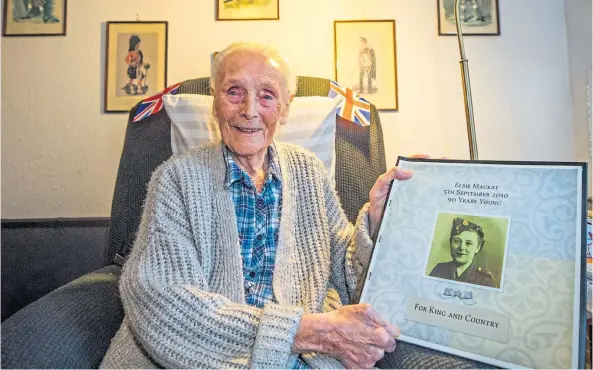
460	225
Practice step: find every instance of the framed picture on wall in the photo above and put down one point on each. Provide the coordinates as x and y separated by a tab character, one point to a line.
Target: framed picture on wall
366	60
34	18
247	10
135	63
478	17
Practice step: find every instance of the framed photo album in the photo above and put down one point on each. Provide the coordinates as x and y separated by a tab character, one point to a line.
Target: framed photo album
34	18
485	260
365	60
247	10
135	63
478	17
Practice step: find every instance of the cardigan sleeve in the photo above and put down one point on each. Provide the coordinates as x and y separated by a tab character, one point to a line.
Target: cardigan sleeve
170	309
351	247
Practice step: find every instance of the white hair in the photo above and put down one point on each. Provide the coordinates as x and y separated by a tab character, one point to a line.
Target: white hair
267	51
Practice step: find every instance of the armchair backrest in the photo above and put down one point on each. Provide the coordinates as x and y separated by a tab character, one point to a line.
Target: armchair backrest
360	159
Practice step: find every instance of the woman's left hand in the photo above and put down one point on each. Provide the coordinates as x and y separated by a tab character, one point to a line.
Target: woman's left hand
380	191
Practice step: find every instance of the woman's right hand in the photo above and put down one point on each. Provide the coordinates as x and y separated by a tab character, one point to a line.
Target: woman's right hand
356	335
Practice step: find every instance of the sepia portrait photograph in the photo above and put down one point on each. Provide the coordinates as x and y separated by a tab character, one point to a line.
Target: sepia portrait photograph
245	10
136	63
478	17
34	18
365	60
469	250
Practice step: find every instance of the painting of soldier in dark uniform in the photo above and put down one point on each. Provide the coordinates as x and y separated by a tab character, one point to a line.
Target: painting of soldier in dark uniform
366	60
471	252
367	63
478	17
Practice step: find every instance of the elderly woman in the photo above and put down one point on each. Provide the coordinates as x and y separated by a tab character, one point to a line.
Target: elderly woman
244	257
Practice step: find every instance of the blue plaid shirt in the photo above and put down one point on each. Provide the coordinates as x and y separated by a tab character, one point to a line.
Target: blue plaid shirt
258	223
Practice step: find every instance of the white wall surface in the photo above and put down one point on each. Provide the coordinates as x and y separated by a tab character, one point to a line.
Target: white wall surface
578	25
60	152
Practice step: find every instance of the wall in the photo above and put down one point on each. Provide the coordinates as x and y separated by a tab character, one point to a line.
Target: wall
578	25
60	152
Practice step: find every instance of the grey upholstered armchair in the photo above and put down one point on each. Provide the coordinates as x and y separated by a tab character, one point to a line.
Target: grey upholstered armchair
72	326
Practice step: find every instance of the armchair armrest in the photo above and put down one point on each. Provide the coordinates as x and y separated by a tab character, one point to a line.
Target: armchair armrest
70	327
411	356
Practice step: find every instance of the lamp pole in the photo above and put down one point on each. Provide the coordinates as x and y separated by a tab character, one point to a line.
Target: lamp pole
467	92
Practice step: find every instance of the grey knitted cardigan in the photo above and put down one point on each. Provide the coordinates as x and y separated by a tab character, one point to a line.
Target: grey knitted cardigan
182	287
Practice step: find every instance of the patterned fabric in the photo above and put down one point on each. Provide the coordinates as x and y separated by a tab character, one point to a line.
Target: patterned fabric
154	104
258	221
353	108
311	124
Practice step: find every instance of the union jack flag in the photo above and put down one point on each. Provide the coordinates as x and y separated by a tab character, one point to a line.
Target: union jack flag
154	104
353	108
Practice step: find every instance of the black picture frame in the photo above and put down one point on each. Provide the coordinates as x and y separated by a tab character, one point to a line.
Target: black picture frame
445	29
581	342
6	20
108	107
392	83
265	18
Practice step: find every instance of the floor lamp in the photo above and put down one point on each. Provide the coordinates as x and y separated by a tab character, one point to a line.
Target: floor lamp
467	92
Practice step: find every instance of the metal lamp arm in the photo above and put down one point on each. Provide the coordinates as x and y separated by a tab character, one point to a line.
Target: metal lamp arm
467	92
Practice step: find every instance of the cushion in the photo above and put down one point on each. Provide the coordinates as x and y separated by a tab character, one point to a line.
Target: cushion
311	124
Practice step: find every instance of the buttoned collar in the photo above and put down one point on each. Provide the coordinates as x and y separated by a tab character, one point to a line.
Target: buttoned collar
234	173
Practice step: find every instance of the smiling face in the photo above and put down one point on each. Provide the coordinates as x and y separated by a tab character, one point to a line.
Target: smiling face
464	246
250	98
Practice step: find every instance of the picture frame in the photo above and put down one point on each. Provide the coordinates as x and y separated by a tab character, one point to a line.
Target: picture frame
34	18
135	62
247	10
365	60
479	18
455	274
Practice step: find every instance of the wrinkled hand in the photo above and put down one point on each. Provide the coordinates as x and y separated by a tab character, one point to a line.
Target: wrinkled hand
355	335
380	191
360	337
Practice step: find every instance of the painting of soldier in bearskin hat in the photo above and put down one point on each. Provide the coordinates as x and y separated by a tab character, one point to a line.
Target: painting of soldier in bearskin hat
136	63
469	249
137	68
137	55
